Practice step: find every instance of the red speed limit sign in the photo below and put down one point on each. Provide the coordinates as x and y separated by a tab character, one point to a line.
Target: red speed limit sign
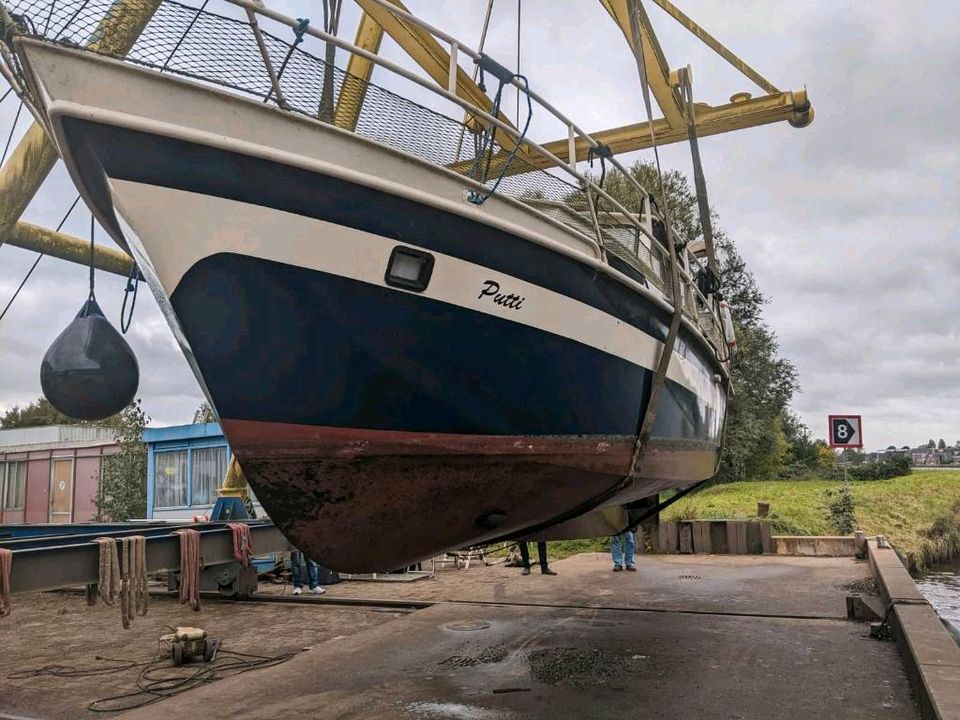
845	431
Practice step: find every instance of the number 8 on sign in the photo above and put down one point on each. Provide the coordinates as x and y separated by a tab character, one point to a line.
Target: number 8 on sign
845	431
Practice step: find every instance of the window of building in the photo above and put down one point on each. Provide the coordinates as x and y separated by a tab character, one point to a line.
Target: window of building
209	467
14	483
170	479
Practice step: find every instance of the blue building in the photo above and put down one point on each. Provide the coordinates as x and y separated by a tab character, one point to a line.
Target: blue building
185	466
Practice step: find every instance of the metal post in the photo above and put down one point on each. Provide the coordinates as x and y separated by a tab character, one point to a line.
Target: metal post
452	79
34	157
274	81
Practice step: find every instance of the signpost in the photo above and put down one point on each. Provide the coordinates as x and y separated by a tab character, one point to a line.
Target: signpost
845	431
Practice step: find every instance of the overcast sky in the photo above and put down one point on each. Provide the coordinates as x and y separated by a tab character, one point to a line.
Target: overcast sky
850	225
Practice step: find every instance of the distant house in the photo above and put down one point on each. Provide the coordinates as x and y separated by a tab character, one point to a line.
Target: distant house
185	468
51	474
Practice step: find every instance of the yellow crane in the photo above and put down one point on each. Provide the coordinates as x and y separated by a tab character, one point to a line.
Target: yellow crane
33	158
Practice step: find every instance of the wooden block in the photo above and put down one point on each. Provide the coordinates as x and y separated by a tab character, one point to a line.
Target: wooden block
765	541
718	538
686	538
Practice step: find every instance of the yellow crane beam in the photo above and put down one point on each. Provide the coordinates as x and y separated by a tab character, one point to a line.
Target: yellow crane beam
359	70
711	42
658	70
34	157
67	247
424	50
711	120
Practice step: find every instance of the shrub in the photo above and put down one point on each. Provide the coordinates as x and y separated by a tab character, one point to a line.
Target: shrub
841	506
890	466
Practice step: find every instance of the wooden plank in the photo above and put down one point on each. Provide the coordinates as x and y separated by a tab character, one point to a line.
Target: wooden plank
718	538
697	528
731	538
765	542
740	528
686	538
668	540
754	546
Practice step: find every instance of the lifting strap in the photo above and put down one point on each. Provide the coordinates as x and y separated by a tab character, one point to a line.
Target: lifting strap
133	579
666	353
6	564
189	568
242	545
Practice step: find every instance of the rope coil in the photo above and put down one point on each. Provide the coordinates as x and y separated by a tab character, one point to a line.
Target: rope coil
189	568
6	564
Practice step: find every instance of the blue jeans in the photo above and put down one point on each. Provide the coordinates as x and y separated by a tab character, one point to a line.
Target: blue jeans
313	574
618	553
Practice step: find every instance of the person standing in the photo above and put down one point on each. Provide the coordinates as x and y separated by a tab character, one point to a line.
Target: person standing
621	548
313	574
541	552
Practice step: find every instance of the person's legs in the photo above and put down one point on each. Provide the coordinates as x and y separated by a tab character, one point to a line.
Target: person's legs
313	573
295	569
631	546
616	552
524	557
542	554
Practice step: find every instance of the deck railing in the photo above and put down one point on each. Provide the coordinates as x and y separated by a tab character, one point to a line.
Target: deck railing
246	53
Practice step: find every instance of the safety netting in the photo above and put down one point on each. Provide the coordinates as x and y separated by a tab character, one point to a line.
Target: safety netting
242	51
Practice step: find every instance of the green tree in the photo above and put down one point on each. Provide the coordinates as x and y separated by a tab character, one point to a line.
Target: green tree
40	412
941	445
203	414
931	443
123	488
760	430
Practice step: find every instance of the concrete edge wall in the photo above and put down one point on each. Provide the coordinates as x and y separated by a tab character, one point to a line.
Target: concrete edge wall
745	537
930	655
815	545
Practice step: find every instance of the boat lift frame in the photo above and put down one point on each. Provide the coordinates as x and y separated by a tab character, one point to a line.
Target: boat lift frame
56	557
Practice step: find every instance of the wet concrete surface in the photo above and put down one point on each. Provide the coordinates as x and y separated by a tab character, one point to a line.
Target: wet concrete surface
579	645
583	663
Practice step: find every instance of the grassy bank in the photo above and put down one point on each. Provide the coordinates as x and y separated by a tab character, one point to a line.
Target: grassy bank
919	513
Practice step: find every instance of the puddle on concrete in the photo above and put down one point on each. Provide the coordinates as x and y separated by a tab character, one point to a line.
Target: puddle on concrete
453	711
583	667
494	654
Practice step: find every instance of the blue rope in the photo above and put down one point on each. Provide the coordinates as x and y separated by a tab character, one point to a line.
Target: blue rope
475	197
300	29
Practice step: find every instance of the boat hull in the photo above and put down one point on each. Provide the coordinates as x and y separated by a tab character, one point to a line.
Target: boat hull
379	425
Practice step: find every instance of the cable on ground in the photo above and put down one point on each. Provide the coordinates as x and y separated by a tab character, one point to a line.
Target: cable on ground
158	678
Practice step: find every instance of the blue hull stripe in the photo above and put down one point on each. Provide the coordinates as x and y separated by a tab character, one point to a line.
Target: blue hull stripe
281	343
